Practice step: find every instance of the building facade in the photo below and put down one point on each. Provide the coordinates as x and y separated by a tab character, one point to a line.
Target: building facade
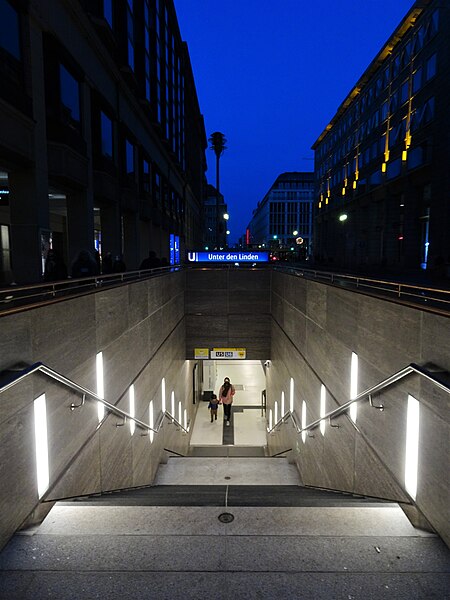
216	220
382	174
283	219
102	143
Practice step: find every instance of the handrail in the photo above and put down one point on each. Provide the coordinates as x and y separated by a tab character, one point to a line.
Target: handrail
16	296
85	392
411	368
422	295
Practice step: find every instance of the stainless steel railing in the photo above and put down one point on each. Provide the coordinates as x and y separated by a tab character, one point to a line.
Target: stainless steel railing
15	296
366	394
85	393
424	296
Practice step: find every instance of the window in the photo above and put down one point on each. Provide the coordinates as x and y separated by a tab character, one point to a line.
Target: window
146	176
9	29
108	11
106	132
415	157
70	95
129	157
430	69
384	111
394	168
395	66
130	34
147	52
404	92
417	80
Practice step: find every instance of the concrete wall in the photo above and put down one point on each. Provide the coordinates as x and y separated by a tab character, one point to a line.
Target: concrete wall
315	329
228	308
140	330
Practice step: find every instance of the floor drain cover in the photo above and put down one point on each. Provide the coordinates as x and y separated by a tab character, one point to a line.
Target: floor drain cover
226	518
227	477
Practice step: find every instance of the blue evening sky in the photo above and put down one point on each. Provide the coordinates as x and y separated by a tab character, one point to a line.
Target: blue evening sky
271	75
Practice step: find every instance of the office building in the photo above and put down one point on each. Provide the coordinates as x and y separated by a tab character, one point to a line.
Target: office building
102	142
216	219
283	219
382	162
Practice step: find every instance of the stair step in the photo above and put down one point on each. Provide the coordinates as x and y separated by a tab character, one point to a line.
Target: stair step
229	470
228	451
223	495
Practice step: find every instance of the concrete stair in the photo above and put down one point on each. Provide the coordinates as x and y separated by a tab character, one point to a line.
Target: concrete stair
168	541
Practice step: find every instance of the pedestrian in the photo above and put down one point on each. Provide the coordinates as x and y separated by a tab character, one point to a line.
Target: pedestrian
213	405
84	265
118	265
226	394
151	262
55	269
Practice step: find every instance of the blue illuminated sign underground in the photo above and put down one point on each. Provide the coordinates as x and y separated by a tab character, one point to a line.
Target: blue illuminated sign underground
218	257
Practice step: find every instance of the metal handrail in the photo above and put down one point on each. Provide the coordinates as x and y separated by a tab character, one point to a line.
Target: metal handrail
411	368
15	296
85	392
400	290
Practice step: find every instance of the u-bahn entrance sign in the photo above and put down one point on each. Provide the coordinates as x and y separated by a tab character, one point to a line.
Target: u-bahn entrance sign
228	256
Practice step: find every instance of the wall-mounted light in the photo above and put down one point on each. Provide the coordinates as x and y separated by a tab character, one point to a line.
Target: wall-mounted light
323	394
412	446
151	433
270	419
343	217
41	444
282	405
132	410
163	395
291	395
354	386
303	421
100	385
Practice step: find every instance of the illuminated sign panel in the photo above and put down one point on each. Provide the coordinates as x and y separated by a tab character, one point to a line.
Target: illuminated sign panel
201	353
228	256
228	353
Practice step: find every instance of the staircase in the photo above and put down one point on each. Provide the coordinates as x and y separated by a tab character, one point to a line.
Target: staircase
225	528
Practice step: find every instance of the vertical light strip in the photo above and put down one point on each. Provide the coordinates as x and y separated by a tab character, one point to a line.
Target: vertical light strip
291	395
276	412
270	419
150	420
354	386
282	405
185	418
180	413
303	421
412	447
100	385
41	441
323	397
163	395
132	410
172	403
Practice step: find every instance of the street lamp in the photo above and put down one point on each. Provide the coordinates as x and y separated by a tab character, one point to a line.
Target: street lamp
226	216
295	232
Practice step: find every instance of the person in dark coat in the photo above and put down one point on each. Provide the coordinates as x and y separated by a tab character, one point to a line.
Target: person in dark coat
55	269
151	262
84	265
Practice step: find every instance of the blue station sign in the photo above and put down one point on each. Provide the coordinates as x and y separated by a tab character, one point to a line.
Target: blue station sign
228	256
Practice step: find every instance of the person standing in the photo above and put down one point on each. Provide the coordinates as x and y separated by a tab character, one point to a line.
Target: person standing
213	405
226	394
